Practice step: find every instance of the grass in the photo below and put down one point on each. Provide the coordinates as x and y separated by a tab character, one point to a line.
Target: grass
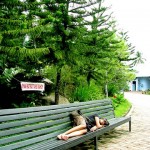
123	108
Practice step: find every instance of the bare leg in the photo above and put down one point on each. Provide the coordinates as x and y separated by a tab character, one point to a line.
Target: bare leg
76	128
75	133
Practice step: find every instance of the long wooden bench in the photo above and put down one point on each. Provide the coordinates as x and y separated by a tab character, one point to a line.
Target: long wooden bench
36	128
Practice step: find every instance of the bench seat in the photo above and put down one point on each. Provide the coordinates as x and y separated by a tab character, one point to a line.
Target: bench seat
36	128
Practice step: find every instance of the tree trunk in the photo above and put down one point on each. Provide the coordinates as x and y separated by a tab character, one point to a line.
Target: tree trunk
106	90
88	78
57	86
106	85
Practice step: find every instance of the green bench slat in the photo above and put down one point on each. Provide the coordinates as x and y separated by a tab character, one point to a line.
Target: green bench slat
37	137
34	120
48	108
31	121
37	127
33	133
24	129
46	112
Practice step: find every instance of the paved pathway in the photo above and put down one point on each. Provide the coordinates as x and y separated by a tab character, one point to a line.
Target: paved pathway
139	138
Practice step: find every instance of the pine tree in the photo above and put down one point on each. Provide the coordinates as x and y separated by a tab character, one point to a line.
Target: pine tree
98	40
69	26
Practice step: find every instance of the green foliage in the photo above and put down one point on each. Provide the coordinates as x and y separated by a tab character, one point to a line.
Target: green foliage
117	100
54	39
24	105
87	93
30	100
123	108
112	89
9	73
146	92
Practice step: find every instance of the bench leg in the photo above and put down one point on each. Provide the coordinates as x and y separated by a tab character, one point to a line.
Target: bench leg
130	125
95	143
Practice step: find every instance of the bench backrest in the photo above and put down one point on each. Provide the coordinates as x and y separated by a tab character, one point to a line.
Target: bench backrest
25	126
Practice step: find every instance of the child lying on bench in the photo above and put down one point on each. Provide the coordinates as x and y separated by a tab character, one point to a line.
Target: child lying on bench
83	125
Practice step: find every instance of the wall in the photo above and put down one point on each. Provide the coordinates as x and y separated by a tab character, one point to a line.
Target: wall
143	83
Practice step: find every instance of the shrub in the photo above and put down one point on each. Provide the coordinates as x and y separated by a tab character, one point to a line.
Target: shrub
87	93
24	105
117	100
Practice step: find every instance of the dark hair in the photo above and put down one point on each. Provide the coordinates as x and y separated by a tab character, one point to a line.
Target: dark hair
106	123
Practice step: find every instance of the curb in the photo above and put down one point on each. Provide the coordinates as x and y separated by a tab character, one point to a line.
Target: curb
129	111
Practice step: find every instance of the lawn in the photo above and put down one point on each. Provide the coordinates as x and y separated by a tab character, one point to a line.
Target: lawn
123	108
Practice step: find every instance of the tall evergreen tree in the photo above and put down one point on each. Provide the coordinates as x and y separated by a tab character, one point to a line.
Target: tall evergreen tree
99	40
68	27
103	48
61	33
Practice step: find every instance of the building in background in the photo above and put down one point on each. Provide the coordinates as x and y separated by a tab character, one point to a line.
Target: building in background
141	83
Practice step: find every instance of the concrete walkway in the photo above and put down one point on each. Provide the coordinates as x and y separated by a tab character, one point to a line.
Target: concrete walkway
139	138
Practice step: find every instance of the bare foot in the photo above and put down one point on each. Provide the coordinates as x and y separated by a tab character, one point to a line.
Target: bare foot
65	137
59	136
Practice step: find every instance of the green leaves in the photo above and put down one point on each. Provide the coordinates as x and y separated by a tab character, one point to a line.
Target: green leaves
78	34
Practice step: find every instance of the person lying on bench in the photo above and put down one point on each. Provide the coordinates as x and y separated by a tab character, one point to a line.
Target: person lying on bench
84	125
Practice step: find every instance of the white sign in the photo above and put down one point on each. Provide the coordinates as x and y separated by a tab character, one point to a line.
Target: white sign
31	86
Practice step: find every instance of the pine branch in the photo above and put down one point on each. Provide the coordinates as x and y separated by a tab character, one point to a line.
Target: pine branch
36	29
24	52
